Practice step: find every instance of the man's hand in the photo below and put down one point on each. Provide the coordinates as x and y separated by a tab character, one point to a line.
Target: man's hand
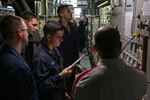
66	72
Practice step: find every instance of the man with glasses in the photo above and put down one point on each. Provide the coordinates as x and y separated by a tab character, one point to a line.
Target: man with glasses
16	80
34	37
47	64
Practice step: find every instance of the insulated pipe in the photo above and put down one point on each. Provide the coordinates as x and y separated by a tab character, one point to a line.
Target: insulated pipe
23	4
20	6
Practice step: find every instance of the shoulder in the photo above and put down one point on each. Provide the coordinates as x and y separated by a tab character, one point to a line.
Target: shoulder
9	59
94	77
42	55
40	52
14	67
140	75
12	62
96	80
135	72
73	25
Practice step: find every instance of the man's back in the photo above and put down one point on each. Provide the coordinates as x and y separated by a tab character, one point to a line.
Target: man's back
112	80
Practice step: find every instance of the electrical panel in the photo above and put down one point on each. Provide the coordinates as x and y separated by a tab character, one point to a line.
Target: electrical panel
132	41
132	19
136	38
143	27
93	25
104	15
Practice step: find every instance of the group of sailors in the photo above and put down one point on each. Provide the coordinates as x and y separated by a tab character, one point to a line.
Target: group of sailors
39	69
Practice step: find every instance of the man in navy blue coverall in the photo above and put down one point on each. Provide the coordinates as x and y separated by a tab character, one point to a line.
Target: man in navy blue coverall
16	80
47	64
34	37
69	46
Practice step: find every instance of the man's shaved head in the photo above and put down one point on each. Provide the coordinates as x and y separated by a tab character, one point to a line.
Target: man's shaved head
107	38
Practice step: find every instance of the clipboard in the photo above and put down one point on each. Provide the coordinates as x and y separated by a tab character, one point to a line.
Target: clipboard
73	65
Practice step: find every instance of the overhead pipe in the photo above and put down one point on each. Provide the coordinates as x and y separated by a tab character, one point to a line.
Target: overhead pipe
116	2
20	6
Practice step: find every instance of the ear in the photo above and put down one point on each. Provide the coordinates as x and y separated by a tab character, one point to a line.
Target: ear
19	33
25	21
48	37
61	14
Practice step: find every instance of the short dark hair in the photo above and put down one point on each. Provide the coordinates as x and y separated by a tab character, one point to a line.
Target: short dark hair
51	27
107	38
9	25
61	8
28	15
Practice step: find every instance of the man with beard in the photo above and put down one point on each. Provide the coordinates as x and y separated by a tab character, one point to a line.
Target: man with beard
34	37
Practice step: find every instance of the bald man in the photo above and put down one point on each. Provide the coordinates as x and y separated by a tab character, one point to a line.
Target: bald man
111	78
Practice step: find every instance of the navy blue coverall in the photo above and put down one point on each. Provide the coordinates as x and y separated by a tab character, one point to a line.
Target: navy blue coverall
47	63
70	52
16	80
30	49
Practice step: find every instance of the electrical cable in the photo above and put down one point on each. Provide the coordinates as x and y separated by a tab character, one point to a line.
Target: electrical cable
134	35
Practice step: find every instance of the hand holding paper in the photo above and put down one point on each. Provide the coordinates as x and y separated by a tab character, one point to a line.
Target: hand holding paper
74	64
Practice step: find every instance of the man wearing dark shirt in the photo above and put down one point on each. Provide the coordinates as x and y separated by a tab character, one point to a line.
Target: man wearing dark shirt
16	80
34	37
47	64
69	46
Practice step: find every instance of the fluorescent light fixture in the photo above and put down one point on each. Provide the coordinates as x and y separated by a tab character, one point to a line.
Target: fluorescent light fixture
0	3
102	4
74	1
77	11
68	1
77	16
74	5
10	7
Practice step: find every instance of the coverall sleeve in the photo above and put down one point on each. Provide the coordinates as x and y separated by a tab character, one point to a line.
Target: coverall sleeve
23	86
42	69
